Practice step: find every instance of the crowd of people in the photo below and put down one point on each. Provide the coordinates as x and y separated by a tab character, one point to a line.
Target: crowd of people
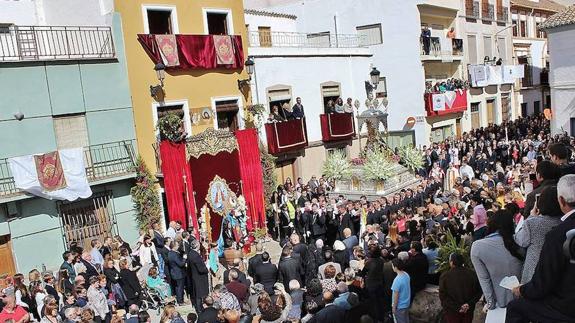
288	112
448	85
504	192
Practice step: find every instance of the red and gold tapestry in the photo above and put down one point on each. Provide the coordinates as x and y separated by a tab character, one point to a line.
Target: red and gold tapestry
50	171
224	49
168	49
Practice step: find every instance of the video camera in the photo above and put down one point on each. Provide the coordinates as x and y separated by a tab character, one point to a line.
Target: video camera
569	246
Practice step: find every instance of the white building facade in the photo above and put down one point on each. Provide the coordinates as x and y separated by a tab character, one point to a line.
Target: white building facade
530	49
560	30
487	34
290	65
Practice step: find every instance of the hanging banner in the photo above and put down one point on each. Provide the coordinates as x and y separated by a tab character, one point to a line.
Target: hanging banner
495	77
438	102
450	98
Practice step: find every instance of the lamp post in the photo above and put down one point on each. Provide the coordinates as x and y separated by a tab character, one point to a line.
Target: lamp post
160	70
250	67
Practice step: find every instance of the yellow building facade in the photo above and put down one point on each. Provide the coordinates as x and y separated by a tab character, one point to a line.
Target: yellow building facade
204	98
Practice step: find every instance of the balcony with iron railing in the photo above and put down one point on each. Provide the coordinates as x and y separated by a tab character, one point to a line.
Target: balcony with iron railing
488	13
104	162
305	40
45	43
441	49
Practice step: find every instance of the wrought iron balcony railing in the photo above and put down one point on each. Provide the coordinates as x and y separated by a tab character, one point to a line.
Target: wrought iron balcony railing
43	43
472	9
502	14
298	40
102	162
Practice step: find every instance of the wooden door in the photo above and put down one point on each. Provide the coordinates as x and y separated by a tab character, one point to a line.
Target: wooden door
7	265
265	35
475	120
458	128
490	111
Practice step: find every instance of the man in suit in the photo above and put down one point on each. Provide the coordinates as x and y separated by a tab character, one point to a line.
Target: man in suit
299	250
242	276
266	274
209	313
177	266
330	313
198	273
289	268
560	155
417	267
344	220
256	260
239	290
317	220
550	295
91	270
350	241
298	109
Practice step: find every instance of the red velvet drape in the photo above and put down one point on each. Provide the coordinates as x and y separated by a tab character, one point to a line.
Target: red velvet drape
286	136
179	197
252	177
194	52
337	126
204	169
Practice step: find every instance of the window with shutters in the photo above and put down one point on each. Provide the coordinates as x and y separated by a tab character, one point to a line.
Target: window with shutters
330	91
527	80
472	49
265	36
370	34
160	19
180	108
278	95
487	47
501	47
71	131
227	112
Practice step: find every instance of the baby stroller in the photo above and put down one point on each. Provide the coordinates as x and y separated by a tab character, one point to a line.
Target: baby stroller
151	300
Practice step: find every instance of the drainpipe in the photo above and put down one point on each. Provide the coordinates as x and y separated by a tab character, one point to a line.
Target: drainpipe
335	28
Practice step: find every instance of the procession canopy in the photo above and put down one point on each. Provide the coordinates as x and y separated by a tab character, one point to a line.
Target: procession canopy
211	142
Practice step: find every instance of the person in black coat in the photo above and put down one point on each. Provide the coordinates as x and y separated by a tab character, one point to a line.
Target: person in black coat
266	273
343	221
209	313
130	284
289	268
317	223
255	261
177	266
417	267
330	313
199	272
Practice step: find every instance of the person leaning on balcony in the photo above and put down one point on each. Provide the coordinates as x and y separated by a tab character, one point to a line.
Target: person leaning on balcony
451	33
330	108
426	39
348	106
298	109
275	116
339	106
288	112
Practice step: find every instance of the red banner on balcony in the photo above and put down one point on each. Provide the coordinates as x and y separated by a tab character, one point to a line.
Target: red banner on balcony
194	52
437	104
286	136
337	126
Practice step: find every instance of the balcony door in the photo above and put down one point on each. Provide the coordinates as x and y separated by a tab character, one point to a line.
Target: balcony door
71	131
228	115
7	265
330	91
218	22
475	116
265	36
278	95
490	105
505	107
160	20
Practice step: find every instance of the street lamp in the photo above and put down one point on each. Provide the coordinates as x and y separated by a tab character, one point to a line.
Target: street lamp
374	76
250	68
160	69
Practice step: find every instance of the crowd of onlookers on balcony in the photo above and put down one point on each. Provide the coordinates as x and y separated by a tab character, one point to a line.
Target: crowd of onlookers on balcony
288	112
451	84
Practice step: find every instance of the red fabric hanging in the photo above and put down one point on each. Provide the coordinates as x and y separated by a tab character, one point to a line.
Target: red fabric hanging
194	52
174	167
252	177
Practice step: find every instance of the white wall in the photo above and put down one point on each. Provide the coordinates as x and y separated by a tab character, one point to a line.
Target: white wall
562	69
398	58
305	74
277	24
56	12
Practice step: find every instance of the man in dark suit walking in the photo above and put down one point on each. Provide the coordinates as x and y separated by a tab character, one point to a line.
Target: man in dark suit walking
330	313
344	219
198	274
177	266
255	261
266	273
289	268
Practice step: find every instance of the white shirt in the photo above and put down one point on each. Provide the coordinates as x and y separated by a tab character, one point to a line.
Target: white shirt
563	218
171	233
466	171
